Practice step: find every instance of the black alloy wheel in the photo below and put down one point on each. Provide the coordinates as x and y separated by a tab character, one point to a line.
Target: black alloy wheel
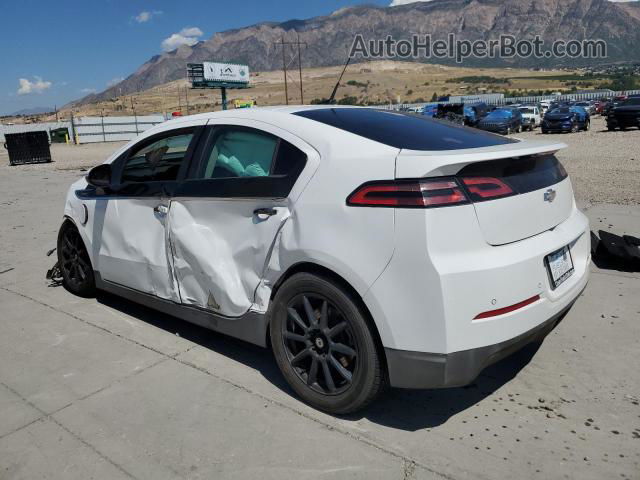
325	345
320	344
74	262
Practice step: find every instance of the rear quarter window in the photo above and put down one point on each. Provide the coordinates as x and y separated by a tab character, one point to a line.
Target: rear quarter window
404	130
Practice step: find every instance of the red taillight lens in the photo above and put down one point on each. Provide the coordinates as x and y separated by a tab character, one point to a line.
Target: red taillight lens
409	194
486	188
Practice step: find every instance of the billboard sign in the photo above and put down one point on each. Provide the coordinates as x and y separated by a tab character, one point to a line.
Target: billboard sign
225	72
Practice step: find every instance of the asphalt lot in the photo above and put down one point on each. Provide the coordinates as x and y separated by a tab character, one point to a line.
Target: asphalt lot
103	388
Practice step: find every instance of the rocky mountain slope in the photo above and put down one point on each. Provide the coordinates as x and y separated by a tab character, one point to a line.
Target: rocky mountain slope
329	37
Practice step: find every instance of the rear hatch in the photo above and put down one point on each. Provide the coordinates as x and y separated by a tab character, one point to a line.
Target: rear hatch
518	191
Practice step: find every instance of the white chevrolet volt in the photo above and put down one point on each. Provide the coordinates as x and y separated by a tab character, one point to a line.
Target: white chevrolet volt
368	248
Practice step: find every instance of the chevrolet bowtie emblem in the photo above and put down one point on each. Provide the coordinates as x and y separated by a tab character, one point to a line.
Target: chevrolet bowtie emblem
550	195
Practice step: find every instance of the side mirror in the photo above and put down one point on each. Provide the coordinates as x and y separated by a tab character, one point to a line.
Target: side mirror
100	176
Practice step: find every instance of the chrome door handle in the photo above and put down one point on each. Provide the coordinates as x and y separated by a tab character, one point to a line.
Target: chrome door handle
161	210
265	212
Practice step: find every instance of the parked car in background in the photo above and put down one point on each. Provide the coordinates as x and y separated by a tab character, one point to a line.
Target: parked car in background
613	103
451	112
625	115
531	118
544	107
601	106
504	120
430	110
474	112
566	120
232	220
588	106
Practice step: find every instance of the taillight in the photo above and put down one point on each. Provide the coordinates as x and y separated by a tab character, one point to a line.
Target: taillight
440	192
486	188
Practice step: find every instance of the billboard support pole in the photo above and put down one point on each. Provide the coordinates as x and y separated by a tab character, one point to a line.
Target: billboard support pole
223	90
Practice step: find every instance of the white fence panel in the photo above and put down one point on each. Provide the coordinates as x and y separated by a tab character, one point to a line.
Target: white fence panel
33	127
113	129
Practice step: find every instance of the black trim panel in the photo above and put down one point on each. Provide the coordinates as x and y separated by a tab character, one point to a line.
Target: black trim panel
251	327
436	370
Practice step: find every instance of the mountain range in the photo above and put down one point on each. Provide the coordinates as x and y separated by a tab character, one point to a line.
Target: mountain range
328	38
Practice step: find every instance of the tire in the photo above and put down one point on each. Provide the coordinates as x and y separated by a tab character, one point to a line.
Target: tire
304	312
544	132
611	129
587	126
574	128
74	262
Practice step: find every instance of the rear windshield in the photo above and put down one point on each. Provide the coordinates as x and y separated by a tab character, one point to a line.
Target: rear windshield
404	130
523	174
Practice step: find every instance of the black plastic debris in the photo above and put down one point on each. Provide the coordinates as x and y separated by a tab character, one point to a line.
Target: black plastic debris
614	251
28	147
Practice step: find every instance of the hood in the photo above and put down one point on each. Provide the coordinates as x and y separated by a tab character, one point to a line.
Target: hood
558	116
495	120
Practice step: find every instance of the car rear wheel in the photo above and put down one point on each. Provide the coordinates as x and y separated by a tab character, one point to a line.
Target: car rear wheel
74	262
324	345
587	126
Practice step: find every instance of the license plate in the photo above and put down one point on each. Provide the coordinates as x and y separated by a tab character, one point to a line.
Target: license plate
560	266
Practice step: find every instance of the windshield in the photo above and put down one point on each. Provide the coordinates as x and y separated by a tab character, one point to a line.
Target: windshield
632	101
527	110
499	115
560	111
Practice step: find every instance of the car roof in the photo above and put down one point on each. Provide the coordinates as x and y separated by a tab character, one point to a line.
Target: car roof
284	117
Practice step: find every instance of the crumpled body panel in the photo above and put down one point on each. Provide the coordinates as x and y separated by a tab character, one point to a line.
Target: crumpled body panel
221	249
132	243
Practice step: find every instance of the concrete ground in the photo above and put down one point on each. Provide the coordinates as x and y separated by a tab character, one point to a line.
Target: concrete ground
103	388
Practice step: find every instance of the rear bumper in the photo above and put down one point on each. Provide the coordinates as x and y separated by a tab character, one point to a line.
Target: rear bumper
623	122
432	370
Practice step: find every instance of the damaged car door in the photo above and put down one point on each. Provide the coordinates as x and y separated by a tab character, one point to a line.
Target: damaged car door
226	215
133	241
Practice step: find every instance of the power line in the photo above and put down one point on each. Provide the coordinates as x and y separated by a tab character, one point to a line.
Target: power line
298	44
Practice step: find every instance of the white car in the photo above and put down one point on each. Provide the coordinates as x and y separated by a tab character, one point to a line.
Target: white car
531	117
366	247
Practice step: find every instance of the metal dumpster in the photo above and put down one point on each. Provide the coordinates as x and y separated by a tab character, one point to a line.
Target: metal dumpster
59	135
28	147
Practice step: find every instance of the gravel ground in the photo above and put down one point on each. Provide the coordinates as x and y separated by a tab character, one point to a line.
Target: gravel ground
604	166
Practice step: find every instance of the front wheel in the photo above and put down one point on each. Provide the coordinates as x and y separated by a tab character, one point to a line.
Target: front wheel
324	345
74	262
587	126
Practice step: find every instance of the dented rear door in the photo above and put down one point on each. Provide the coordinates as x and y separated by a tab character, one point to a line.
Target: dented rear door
225	217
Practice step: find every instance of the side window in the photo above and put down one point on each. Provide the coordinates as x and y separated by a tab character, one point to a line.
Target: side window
290	160
239	152
158	161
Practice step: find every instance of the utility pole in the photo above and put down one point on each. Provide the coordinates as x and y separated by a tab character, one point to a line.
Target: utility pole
55	107
284	44
186	98
300	68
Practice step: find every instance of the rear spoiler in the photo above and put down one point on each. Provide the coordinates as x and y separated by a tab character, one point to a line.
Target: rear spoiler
417	164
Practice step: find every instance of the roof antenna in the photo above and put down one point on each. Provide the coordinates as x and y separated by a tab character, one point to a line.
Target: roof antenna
335	89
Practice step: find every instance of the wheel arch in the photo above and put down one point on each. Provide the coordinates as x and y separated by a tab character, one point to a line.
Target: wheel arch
327	273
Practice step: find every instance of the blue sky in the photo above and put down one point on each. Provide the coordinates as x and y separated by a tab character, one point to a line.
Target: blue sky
57	51
64	49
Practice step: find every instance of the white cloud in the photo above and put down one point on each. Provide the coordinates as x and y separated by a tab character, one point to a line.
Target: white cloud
395	3
88	90
145	15
38	86
186	36
113	81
